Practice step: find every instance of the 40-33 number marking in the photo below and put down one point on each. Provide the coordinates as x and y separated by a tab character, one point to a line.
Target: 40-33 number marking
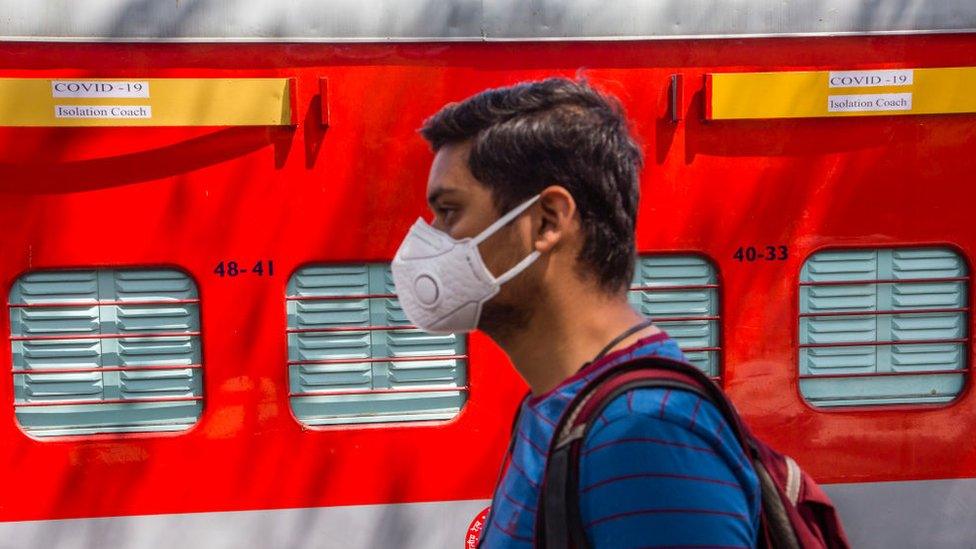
768	253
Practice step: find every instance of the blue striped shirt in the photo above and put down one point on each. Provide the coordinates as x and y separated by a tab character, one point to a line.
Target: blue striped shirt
658	468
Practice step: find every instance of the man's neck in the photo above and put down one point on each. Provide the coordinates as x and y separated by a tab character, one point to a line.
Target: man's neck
568	333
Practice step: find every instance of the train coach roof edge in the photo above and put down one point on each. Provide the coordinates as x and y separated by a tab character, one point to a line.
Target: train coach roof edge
469	20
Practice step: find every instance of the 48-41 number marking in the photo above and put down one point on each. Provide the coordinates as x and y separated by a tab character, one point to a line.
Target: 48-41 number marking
233	268
750	254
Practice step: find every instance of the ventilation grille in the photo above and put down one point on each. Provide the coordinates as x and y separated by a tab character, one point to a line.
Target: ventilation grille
354	357
104	351
680	293
883	327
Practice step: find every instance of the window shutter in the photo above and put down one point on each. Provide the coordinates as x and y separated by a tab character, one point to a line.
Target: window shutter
354	358
102	351
883	326
680	293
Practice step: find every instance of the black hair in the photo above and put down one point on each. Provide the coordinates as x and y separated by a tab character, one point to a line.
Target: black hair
555	131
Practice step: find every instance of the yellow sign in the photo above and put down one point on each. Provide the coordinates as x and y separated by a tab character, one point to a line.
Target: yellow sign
146	102
752	95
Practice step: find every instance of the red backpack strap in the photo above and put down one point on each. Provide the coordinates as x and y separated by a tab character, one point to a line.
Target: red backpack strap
795	513
558	523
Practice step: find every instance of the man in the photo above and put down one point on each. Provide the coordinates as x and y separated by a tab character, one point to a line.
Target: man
534	190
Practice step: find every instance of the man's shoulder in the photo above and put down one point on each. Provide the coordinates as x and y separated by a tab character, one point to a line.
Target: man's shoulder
667	415
663	457
675	406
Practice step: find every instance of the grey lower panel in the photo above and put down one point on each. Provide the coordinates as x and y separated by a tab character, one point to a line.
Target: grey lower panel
407	526
913	514
891	515
468	20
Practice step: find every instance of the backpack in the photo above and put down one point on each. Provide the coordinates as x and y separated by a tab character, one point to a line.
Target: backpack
796	513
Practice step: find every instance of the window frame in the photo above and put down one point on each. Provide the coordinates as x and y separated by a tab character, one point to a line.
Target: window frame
720	378
110	435
969	348
465	359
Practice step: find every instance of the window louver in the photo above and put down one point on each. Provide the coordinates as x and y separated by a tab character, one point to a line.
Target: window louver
680	293
355	358
883	326
103	351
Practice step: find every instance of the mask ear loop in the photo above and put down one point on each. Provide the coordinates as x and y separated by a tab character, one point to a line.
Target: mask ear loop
498	224
518	268
504	220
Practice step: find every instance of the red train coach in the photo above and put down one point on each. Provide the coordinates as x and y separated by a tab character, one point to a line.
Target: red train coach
199	201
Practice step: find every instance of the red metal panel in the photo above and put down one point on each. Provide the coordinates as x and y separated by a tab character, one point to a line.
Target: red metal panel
192	197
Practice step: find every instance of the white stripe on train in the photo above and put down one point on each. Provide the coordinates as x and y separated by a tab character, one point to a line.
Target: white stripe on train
934	513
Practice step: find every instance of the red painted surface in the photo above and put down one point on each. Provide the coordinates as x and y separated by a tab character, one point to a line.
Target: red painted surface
191	197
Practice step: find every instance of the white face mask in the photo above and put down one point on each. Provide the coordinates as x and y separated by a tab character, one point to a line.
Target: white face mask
442	282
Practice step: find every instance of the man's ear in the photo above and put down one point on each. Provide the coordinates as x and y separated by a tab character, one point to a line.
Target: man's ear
558	217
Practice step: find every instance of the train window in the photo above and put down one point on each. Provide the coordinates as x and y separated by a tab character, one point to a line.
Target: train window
353	357
680	292
105	351
883	326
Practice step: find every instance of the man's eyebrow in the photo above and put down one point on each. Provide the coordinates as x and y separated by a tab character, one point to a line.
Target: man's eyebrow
432	197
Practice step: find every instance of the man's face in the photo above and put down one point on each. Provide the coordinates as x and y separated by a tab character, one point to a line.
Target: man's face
463	207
